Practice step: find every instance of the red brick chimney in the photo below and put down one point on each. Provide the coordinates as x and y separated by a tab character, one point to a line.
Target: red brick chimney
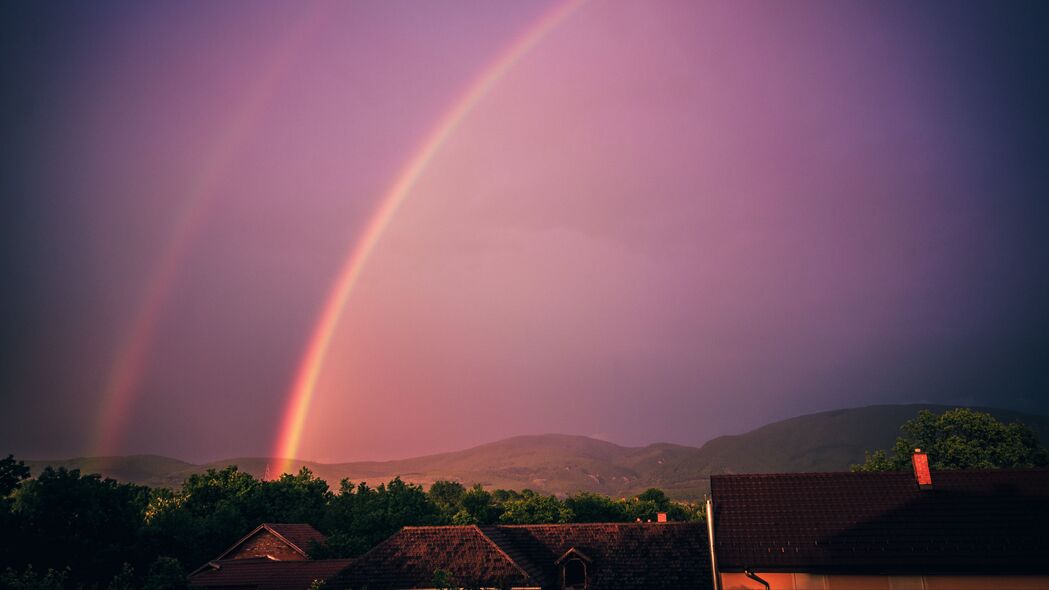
921	469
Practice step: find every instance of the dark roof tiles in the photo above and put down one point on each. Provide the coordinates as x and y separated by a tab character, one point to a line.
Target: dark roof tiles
970	521
302	536
412	557
266	574
623	556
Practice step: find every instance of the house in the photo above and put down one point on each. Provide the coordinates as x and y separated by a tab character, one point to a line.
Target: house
273	556
653	556
943	530
278	542
625	556
952	530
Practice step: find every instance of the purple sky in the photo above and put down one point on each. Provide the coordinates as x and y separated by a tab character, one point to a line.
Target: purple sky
667	222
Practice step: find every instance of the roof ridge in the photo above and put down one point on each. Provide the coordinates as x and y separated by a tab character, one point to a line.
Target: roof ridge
437	526
586	524
261	527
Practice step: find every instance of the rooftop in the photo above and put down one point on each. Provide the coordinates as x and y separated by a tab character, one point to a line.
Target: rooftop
967	522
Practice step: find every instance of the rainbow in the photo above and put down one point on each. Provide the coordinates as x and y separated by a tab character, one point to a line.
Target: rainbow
305	383
132	355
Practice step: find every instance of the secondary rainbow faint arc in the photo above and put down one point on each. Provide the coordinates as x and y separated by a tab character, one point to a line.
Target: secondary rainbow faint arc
302	391
130	364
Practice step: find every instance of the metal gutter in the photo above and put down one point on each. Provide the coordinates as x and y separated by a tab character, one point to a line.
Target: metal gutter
710	540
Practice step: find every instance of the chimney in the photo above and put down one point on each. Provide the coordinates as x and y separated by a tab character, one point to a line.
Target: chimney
921	469
661	517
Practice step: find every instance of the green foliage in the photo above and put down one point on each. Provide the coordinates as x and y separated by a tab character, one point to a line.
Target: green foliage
96	533
12	474
214	509
364	516
478	507
447	496
125	578
591	507
442	580
533	508
293	498
30	580
87	523
341	544
656	497
960	439
166	573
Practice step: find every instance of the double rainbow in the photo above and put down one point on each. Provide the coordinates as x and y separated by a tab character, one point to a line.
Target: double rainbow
304	386
125	376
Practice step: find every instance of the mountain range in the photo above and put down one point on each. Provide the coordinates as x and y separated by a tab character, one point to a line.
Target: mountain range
564	464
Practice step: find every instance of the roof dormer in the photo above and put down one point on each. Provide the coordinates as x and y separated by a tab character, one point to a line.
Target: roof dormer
574	568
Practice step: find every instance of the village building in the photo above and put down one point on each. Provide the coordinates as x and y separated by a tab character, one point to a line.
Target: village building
652	556
277	542
921	530
271	557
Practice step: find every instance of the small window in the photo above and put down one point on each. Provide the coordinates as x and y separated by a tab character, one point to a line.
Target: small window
574	571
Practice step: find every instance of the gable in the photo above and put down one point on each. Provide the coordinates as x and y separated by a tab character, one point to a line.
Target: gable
281	542
264	543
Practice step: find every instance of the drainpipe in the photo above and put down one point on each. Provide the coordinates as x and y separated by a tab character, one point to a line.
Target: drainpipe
750	574
710	538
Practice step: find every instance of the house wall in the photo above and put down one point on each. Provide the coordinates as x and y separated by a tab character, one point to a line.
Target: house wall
801	581
264	544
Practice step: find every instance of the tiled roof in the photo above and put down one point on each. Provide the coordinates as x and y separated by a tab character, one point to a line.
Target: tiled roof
622	556
410	558
266	574
301	535
969	522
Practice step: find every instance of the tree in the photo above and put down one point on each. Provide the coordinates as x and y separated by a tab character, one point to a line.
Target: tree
210	512
478	507
447	496
124	580
360	516
657	496
442	580
291	498
90	524
166	573
960	439
533	508
12	474
30	580
591	507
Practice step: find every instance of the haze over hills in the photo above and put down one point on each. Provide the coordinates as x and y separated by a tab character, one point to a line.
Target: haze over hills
564	464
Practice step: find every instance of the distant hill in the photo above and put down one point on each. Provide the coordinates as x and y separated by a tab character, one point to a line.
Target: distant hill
563	464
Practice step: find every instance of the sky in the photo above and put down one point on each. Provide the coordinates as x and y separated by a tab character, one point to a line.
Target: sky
379	229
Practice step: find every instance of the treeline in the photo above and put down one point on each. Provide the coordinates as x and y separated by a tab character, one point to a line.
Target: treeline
68	530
